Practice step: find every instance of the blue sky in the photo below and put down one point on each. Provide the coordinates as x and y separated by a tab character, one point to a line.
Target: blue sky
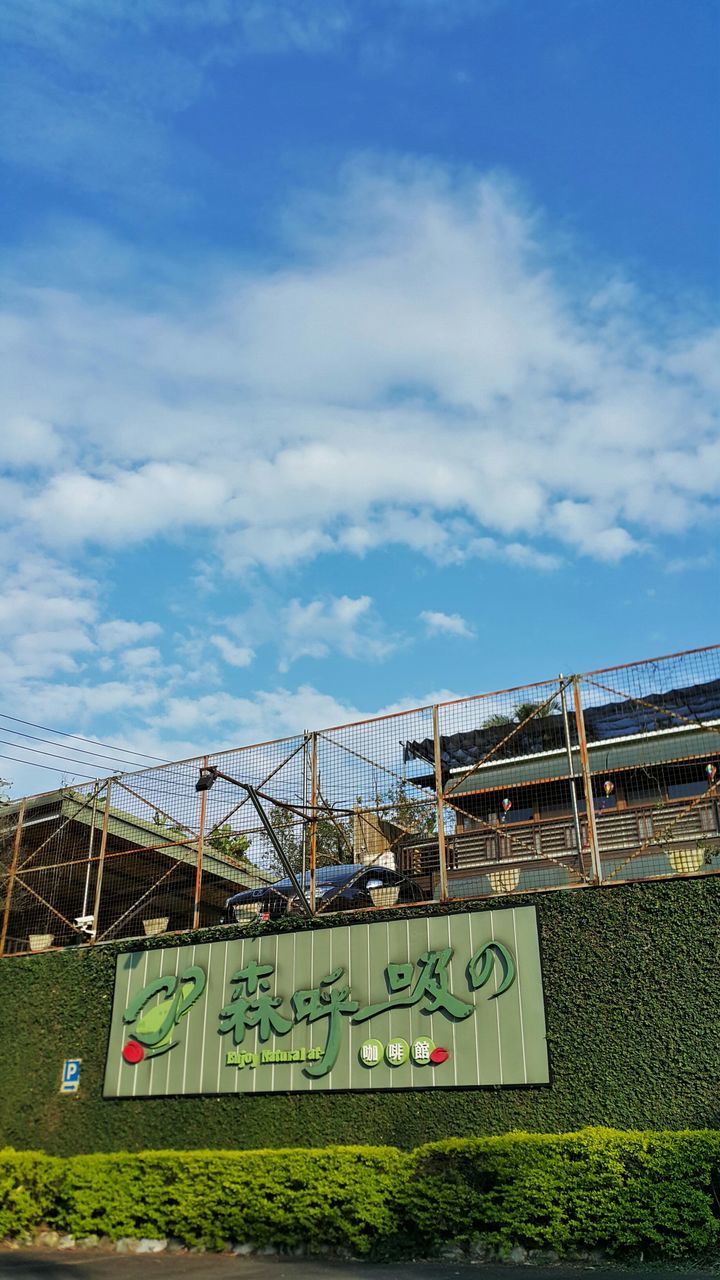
358	353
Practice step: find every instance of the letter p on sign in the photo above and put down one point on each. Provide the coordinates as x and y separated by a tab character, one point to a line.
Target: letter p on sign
70	1075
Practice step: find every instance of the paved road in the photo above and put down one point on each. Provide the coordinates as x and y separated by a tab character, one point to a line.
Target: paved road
35	1264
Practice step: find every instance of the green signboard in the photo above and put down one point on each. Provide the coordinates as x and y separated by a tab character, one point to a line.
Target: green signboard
427	1002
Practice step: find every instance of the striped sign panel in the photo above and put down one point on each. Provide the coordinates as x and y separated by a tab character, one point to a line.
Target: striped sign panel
429	1002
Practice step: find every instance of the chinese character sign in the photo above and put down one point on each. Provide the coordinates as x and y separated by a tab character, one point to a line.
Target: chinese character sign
446	1001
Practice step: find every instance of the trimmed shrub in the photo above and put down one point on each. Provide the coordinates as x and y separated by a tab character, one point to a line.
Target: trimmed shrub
29	1183
599	1188
341	1197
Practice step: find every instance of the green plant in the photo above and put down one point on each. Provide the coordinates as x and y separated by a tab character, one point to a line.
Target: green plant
599	1188
410	811
231	845
632	1007
536	710
622	1192
333	840
29	1186
338	1197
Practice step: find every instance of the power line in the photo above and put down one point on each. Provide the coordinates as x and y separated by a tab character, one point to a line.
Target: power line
37	765
78	736
49	743
37	752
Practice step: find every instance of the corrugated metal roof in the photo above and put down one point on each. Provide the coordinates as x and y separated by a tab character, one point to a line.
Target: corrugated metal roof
136	833
693	706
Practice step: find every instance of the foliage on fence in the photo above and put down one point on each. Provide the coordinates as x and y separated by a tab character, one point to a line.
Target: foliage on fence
619	1192
632	1007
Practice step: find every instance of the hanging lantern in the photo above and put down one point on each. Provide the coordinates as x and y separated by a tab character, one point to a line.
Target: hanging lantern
608	787
506	807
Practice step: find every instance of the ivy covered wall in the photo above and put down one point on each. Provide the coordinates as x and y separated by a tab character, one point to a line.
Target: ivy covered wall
633	1018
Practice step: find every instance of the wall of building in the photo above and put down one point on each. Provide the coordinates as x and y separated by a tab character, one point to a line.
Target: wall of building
633	1012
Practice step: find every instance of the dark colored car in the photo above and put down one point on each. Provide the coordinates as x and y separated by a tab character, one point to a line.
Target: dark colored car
345	887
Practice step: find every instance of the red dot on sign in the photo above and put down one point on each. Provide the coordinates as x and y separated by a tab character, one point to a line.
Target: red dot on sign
133	1052
439	1055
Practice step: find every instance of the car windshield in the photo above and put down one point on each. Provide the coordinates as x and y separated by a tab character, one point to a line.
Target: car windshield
333	876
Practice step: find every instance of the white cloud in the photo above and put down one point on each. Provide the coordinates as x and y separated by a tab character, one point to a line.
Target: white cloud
587	528
142	658
449	624
281	712
236	655
268	714
117	633
26	442
46	618
422	374
128	506
340	624
690	564
419	373
177	726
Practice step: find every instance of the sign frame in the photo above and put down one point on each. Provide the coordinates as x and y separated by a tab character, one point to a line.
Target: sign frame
452	1000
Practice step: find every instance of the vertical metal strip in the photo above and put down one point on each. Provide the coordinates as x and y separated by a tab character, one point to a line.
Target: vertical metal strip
200	850
571	772
313	819
93	819
440	805
101	862
587	783
11	875
305	801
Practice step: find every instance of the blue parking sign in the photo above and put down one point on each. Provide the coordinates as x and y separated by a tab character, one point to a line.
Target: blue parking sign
71	1075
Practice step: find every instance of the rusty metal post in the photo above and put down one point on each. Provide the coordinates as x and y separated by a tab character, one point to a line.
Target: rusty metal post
86	891
11	875
200	851
587	783
101	862
313	819
439	791
571	770
305	802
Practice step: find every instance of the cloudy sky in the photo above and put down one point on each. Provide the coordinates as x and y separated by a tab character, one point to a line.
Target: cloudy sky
356	353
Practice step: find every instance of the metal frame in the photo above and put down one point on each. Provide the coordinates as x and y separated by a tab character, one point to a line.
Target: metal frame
346	776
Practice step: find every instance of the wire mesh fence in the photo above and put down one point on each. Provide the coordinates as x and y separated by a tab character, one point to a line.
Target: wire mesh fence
608	776
654	753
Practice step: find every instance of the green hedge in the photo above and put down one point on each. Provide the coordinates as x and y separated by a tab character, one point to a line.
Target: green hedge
620	1192
29	1191
597	1189
632	1006
341	1197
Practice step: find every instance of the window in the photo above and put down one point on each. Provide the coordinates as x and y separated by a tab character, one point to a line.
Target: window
677	790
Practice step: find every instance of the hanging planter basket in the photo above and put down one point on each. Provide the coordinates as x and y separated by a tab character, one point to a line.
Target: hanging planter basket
157	925
686	861
386	896
41	941
504	881
244	912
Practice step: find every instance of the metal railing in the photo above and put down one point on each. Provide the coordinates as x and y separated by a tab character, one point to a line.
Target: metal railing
603	777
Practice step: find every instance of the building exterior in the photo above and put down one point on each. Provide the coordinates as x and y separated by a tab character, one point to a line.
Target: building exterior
520	808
